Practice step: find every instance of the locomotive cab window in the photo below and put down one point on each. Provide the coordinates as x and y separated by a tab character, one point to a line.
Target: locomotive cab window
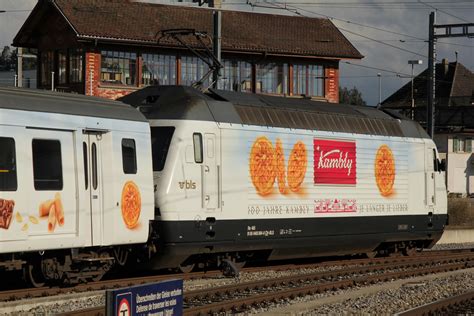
160	142
129	156
435	161
197	142
8	180
47	165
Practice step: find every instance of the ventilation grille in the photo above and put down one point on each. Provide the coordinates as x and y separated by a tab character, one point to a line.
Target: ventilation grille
317	121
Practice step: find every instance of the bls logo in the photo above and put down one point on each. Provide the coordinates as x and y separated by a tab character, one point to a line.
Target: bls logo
188	184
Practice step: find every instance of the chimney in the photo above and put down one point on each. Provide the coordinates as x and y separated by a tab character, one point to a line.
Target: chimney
445	66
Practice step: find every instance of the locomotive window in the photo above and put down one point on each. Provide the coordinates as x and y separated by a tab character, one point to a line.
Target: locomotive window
47	165
129	156
86	170
94	166
8	180
197	141
160	143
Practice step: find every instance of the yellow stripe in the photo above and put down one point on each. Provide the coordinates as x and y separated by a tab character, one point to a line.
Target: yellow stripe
5	171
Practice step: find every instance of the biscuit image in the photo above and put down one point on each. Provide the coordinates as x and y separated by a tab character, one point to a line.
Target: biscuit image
262	165
280	165
385	170
131	204
297	163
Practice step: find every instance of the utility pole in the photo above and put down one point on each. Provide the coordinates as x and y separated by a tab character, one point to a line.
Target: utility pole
380	89
450	30
413	63
430	109
217	25
19	67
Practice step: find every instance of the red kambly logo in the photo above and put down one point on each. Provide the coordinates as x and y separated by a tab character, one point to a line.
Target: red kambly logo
334	162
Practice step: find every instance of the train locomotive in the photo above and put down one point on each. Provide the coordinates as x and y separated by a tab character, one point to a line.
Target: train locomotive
176	177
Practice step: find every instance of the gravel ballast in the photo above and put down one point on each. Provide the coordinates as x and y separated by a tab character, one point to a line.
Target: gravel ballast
383	298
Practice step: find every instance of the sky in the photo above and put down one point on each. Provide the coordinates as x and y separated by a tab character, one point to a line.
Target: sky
387	32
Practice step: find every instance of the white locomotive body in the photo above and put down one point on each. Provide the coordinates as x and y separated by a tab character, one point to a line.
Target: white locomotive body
367	181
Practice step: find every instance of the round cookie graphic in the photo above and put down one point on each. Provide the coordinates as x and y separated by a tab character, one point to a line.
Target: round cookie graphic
262	165
385	170
297	163
131	204
280	165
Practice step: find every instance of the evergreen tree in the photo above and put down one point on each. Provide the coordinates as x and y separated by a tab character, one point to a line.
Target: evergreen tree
352	96
5	57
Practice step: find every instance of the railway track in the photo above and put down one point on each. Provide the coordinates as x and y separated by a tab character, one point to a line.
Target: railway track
462	304
26	293
240	297
346	274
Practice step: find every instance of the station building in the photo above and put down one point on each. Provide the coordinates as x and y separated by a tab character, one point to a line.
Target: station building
109	48
454	119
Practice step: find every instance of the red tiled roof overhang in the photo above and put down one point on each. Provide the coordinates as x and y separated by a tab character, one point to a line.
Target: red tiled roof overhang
127	21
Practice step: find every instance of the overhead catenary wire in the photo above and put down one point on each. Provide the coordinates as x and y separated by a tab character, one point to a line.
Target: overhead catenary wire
442	11
292	9
296	9
459	5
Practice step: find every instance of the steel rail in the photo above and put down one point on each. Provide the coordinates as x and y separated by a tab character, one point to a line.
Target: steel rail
440	306
229	300
241	304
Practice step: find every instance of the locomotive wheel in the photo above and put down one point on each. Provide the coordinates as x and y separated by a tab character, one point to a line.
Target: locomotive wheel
121	256
34	276
186	268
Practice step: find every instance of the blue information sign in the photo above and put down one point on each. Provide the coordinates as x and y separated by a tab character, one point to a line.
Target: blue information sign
153	299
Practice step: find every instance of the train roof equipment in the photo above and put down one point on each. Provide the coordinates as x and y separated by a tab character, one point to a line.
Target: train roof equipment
66	103
187	103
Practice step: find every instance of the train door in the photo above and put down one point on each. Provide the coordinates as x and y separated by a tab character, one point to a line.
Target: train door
210	172
93	175
430	183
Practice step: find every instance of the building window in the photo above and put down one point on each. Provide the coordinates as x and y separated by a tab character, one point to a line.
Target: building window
456	145
308	80
129	156
158	69
8	181
47	66
118	67
236	76
47	165
193	70
468	145
75	65
62	62
272	78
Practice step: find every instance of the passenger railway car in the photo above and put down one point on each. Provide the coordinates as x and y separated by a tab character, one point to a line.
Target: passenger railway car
242	176
75	182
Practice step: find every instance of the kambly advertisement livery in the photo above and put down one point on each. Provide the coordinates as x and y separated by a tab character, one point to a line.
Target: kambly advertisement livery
327	176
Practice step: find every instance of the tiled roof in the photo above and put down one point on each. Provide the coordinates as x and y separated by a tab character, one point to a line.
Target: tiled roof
454	86
126	21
